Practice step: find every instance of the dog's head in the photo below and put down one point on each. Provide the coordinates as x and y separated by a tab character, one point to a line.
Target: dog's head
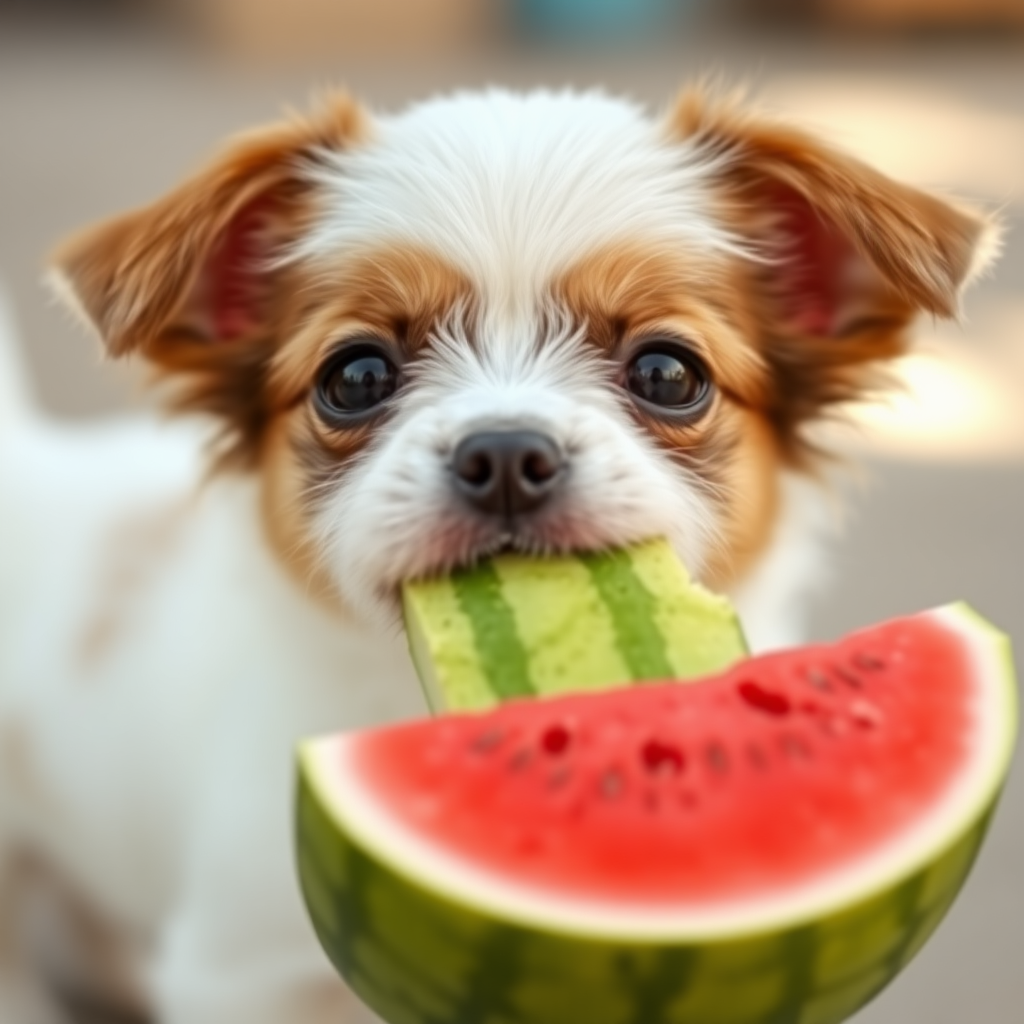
542	322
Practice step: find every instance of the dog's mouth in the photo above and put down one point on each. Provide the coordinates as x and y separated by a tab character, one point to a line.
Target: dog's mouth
468	545
457	541
439	561
507	543
510	539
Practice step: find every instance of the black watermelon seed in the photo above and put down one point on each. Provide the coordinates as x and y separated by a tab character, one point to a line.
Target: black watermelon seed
487	741
848	677
520	759
868	662
818	679
768	701
718	758
611	784
555	739
559	778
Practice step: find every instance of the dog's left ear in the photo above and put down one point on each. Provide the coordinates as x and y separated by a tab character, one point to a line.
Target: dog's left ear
195	281
196	266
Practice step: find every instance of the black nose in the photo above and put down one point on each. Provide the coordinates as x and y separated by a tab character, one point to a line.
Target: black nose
507	472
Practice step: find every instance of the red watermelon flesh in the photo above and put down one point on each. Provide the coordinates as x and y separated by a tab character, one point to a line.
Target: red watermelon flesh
784	769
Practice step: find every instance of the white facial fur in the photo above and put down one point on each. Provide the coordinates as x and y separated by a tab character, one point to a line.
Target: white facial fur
512	191
395	514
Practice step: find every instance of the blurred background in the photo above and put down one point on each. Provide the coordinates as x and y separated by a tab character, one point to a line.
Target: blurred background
106	103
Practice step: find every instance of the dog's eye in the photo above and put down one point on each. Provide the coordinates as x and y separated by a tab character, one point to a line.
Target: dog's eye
669	377
355	381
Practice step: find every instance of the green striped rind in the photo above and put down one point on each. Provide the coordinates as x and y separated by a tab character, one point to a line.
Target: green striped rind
519	626
417	956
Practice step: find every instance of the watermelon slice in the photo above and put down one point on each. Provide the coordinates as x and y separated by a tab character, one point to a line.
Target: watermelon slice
516	626
769	845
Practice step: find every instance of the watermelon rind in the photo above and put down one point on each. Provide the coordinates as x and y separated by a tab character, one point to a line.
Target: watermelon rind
520	626
418	956
423	944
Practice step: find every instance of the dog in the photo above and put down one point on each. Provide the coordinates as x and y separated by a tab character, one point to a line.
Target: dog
538	322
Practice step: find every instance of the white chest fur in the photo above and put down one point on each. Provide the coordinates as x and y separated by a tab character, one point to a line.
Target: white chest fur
152	654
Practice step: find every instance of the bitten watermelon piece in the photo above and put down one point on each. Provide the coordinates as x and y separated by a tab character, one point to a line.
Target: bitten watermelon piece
516	626
772	844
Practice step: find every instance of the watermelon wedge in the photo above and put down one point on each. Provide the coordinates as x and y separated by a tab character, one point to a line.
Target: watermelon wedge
515	626
769	845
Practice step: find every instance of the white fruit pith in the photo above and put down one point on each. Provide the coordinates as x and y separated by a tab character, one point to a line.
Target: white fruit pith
331	768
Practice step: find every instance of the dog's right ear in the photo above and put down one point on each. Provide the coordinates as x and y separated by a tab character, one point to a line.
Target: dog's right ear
194	271
846	257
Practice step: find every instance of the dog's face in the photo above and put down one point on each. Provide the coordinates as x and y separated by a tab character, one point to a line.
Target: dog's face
539	322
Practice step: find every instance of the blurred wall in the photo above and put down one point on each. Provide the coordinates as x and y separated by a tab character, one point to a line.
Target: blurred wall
290	26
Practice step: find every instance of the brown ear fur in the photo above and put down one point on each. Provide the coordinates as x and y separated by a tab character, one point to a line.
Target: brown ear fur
189	281
925	247
846	257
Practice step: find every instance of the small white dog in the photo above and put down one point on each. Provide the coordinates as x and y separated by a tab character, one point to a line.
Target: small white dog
544	321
